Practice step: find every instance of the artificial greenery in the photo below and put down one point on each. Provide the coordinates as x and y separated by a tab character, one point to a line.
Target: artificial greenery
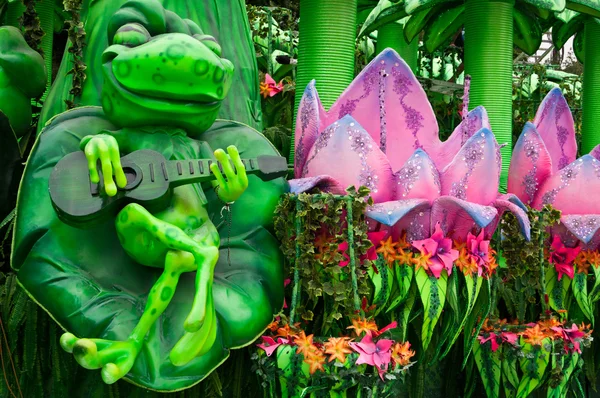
76	32
30	22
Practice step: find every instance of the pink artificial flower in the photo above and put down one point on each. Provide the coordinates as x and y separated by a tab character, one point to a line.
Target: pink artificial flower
269	345
285	283
377	354
270	88
563	257
570	335
391	326
479	249
440	249
374	237
507	337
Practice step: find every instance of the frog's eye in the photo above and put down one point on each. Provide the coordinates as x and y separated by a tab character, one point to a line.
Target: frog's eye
131	35
210	42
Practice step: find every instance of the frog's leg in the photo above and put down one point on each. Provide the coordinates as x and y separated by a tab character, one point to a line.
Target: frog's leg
181	254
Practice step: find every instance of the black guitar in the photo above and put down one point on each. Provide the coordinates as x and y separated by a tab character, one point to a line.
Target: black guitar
150	182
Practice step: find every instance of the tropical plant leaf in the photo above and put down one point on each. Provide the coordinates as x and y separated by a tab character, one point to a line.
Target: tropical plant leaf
383	281
475	319
562	31
589	7
405	311
567	366
556	290
489	366
527	31
386	11
100	292
510	376
417	22
443	26
433	296
294	371
578	47
550	5
595	292
414	6
579	287
404	276
533	365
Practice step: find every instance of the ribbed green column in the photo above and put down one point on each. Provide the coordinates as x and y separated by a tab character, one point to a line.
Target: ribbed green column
488	59
326	48
590	124
392	36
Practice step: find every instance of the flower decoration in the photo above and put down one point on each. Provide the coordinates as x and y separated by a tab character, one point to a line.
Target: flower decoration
544	170
388	250
375	238
401	354
269	345
440	252
377	354
563	257
571	336
337	348
269	88
382	133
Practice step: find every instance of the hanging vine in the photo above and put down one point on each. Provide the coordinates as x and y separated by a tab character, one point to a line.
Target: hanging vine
77	34
30	22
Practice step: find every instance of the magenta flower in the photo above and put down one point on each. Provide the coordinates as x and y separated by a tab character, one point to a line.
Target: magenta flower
563	257
479	249
374	237
378	354
440	249
270	88
498	338
545	170
570	336
269	345
382	133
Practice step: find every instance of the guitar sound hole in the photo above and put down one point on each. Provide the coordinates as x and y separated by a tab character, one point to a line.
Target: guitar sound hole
131	175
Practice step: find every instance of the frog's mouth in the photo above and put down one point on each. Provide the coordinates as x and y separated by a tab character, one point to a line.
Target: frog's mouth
173	68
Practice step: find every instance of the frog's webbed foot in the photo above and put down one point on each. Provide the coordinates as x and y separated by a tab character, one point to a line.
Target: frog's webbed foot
197	343
115	358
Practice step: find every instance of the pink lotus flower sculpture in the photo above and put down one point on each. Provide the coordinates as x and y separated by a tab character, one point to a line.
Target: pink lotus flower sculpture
545	170
382	133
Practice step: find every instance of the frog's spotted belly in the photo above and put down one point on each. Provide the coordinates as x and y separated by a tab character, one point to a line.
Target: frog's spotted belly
138	231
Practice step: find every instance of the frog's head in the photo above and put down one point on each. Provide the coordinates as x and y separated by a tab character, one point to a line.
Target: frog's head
162	70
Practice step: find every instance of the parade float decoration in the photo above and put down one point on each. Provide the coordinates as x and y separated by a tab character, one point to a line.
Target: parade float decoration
120	285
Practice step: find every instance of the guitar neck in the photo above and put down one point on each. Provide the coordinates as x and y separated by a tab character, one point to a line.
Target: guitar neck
181	172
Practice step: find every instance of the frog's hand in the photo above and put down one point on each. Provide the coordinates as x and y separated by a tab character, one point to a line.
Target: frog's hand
103	147
86	281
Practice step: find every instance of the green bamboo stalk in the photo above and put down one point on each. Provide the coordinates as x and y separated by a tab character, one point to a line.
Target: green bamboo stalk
590	126
325	49
488	59
392	36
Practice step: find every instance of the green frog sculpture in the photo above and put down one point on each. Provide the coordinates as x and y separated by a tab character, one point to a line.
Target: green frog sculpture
156	298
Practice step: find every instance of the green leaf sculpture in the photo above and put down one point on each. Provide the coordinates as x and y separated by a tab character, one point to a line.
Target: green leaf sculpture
150	325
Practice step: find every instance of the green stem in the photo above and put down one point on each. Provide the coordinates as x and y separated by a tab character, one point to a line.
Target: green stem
296	290
392	36
351	254
326	49
488	59
45	10
590	128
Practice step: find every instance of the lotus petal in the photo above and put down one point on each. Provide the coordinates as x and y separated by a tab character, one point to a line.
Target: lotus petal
475	121
596	152
556	126
308	126
418	178
458	217
574	189
389	213
406	120
584	227
323	182
473	173
347	152
530	165
510	202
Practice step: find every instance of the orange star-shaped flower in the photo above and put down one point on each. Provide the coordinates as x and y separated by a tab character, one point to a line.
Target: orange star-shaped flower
593	258
273	326
582	264
466	263
422	260
264	90
534	335
305	344
404	257
387	248
460	245
361	325
402	243
401	354
337	348
315	361
547	324
287	332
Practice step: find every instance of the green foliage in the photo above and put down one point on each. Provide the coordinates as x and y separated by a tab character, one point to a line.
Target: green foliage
31	25
311	230
77	34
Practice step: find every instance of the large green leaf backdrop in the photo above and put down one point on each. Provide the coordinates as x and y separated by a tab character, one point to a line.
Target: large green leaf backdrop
84	279
226	20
